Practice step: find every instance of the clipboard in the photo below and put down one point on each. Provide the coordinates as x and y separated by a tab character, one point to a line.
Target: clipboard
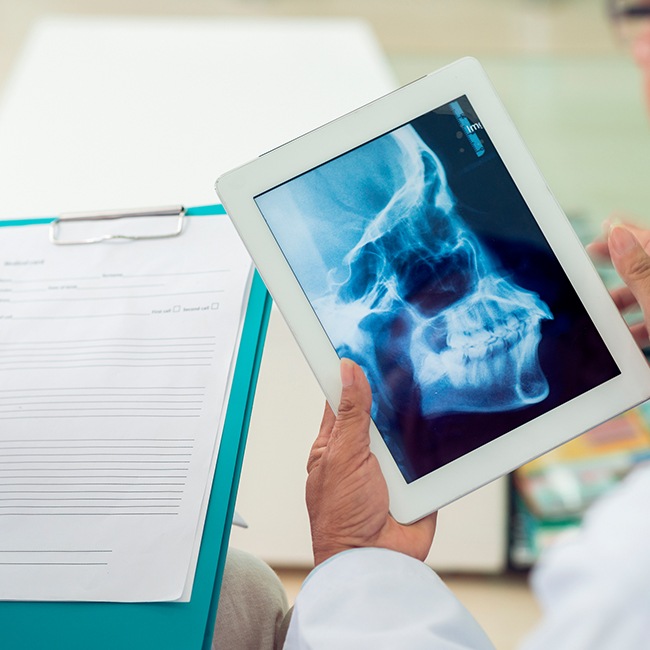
167	625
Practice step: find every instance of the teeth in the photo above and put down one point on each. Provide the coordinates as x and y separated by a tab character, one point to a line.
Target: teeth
482	341
480	358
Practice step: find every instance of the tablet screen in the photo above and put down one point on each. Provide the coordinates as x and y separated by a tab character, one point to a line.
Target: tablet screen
424	264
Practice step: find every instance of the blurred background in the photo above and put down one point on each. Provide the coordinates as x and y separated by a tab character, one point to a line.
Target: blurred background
571	89
575	94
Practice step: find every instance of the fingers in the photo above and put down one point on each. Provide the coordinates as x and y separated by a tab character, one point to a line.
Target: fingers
355	393
642	234
599	248
326	425
353	419
324	433
633	265
623	298
426	529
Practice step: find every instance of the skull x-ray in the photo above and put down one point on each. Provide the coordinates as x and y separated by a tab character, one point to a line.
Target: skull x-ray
416	281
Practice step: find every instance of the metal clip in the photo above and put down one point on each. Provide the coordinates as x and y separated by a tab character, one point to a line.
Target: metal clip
177	211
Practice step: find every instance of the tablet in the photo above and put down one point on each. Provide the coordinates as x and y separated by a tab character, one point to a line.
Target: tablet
417	237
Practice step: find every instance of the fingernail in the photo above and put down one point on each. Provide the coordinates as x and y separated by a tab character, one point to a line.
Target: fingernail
622	240
347	373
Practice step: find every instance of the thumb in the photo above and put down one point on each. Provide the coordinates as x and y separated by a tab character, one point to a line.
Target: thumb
632	263
353	418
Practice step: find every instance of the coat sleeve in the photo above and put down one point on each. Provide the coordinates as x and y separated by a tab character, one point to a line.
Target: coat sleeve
380	599
594	587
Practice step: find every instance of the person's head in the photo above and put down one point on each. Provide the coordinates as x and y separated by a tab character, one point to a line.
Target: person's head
631	20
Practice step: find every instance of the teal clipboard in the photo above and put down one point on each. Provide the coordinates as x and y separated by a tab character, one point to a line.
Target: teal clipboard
161	626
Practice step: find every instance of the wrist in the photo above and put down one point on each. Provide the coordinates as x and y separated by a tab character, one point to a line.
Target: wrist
325	548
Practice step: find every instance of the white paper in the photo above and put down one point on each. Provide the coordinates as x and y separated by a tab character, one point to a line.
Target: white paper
115	360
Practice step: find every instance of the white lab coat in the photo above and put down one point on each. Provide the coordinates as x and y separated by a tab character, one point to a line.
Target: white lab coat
594	589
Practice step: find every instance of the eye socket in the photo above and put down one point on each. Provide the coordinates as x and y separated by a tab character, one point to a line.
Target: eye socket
367	273
433	283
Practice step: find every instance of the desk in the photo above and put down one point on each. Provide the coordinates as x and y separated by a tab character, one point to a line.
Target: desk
108	113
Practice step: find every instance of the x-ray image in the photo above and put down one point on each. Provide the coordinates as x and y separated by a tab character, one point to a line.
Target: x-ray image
425	266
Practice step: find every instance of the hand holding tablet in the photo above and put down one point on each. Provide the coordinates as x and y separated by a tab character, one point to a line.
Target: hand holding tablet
346	494
417	237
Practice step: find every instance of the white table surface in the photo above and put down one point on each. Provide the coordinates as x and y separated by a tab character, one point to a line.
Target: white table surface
103	113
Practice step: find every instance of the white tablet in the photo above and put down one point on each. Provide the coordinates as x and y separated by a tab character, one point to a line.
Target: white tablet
417	237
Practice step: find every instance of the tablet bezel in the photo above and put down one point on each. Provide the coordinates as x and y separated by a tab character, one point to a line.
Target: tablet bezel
237	189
